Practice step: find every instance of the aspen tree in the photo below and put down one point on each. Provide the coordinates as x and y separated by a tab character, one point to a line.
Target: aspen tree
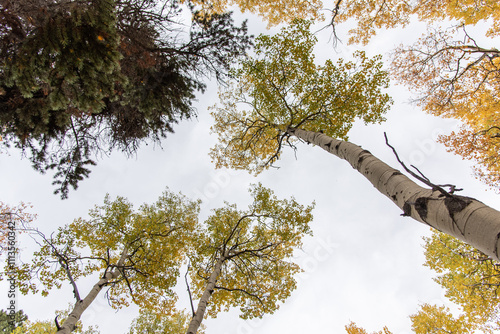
289	98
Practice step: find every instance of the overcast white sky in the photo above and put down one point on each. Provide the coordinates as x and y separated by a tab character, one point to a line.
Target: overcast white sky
364	262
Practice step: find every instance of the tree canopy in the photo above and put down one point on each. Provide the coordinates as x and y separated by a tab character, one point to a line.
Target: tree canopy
50	327
150	322
136	253
372	15
82	78
456	77
282	87
453	73
352	328
470	278
252	251
274	12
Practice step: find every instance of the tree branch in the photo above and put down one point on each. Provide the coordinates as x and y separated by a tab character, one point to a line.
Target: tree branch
189	290
422	178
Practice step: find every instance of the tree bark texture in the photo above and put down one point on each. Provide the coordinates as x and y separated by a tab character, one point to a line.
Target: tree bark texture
462	217
195	323
69	324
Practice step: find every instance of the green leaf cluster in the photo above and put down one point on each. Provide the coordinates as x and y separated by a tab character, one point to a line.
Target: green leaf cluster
8	322
71	60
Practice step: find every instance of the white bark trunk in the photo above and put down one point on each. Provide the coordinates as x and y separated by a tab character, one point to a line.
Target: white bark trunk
195	323
69	324
462	217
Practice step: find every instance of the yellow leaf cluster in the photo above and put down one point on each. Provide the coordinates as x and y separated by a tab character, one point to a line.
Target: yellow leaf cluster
352	328
433	319
175	323
284	88
152	240
49	327
273	11
256	247
481	146
371	15
471	280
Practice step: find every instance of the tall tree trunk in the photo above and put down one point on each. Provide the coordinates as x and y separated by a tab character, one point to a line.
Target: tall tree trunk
69	324
462	217
202	304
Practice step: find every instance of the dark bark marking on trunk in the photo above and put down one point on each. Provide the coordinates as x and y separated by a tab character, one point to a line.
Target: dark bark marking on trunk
406	210
496	244
421	207
456	204
337	147
396	173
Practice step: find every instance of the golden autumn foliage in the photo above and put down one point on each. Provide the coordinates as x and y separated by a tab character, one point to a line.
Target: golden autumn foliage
433	319
452	74
147	246
471	280
352	328
481	146
283	87
273	11
256	249
457	79
151	240
49	326
453	78
150	323
371	15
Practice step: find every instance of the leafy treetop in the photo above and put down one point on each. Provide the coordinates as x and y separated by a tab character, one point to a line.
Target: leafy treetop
470	278
255	248
153	241
49	326
282	88
375	14
9	322
274	12
12	220
149	322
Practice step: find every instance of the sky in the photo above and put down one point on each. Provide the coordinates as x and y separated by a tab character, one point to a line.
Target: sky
364	262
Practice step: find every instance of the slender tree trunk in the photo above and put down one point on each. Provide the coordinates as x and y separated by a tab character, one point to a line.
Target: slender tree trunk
69	324
462	217
202	304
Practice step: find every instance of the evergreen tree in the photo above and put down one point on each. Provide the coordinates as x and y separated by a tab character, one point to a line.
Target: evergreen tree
78	78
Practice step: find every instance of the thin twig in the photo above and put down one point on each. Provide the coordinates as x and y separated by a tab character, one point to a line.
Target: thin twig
422	178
